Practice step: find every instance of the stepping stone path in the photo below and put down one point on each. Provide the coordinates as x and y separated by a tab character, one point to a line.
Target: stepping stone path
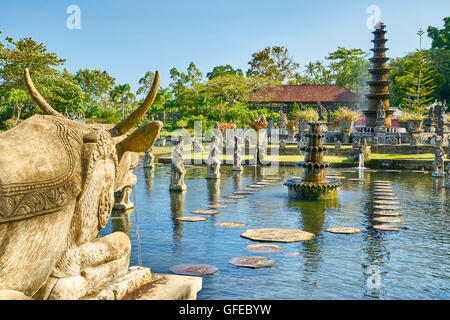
252	262
194	269
277	235
192	218
264	248
260	183
336	177
236	197
382	188
356	179
250	189
343	230
231	224
388	213
388	227
217	206
389	219
206	211
386	202
385	198
387	207
256	186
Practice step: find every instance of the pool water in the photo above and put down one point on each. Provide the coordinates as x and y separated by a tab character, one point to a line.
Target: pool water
373	264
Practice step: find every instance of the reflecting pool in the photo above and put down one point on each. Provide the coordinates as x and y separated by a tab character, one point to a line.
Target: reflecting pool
373	264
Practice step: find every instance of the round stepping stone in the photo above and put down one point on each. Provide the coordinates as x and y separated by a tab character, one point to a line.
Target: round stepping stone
252	262
194	269
250	189
389	219
384	194
356	180
388	227
256	186
382	188
243	192
217	206
343	230
385	198
273	179
236	197
264	248
382	181
227	201
231	224
348	171
293	254
386	202
277	235
205	211
388	213
192	218
260	183
387	207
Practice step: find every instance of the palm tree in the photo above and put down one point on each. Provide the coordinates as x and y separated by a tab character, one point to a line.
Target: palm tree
122	94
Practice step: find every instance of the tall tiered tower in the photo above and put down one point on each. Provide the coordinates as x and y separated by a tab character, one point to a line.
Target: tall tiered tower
379	85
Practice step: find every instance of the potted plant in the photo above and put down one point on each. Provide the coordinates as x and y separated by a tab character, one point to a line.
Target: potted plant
412	121
305	116
346	118
292	128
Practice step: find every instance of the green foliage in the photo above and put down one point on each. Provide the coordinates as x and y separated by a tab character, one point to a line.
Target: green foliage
223	70
407	116
350	68
440	37
145	84
273	63
95	83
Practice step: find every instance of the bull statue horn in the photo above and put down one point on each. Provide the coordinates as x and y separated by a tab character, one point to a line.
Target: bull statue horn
140	140
36	96
139	113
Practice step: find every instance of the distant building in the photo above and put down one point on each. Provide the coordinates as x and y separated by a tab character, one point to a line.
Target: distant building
286	96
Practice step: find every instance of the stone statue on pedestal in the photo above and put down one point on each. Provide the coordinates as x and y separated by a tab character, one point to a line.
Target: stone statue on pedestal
438	163
237	155
149	159
177	167
213	162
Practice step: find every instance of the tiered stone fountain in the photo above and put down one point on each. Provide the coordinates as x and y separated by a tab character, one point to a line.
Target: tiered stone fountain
314	185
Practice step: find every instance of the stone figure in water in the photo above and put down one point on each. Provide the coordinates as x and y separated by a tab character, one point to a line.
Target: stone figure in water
197	146
177	167
149	159
338	144
237	155
50	219
213	162
438	163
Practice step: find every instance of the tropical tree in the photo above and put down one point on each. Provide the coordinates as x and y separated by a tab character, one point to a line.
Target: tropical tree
440	37
224	70
17	98
413	80
95	83
273	63
349	68
121	94
145	83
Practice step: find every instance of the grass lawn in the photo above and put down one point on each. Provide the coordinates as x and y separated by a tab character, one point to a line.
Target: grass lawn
423	156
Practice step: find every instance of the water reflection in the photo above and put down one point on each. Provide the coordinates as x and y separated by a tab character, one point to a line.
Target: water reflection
177	202
149	175
120	221
237	175
213	186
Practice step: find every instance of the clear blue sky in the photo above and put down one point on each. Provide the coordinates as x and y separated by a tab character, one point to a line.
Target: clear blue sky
128	38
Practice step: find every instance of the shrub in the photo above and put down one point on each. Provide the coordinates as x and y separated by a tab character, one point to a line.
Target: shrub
181	123
346	114
309	114
407	116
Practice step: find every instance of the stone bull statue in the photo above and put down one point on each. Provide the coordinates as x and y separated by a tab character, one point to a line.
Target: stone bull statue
57	183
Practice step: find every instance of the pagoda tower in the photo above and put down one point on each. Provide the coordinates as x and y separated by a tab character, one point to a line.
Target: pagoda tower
379	85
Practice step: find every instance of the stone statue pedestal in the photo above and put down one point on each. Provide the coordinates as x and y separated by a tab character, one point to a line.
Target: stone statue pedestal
122	199
237	168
